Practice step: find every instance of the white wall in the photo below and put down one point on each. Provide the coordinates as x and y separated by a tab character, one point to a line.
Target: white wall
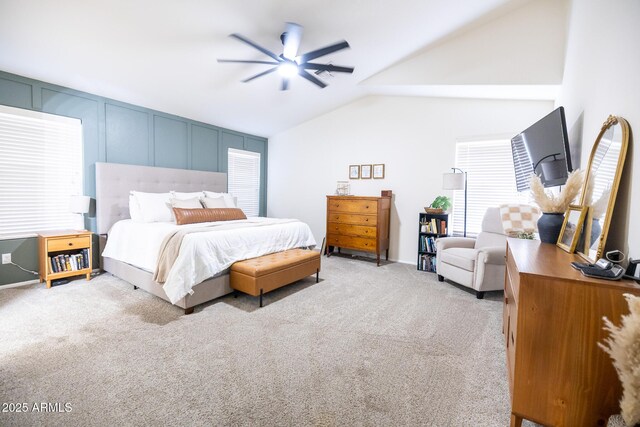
414	137
523	47
602	77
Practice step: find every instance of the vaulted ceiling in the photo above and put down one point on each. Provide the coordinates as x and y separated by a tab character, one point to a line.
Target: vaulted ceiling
162	54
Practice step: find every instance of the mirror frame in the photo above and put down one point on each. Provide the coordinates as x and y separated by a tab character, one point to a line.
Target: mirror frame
611	121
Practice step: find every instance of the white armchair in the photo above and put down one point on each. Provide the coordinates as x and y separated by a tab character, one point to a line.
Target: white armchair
475	263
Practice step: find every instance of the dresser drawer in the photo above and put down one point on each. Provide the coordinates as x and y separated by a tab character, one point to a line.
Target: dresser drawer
352	242
351	230
357	219
68	243
355	206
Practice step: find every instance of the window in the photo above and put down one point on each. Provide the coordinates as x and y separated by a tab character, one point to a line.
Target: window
244	180
491	181
40	168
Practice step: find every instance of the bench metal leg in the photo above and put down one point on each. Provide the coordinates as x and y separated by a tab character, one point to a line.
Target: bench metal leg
261	297
317	275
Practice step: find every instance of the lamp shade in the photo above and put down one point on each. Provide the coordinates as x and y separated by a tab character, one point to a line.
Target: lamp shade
453	181
79	204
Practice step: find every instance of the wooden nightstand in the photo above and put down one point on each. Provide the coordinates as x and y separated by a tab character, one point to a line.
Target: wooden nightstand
64	253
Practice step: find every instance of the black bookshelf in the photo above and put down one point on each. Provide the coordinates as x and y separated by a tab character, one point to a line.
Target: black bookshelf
434	226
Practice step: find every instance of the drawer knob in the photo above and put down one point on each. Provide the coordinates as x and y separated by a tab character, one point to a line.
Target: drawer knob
70	244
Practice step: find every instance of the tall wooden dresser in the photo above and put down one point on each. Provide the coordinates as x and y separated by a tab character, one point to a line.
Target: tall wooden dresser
360	223
558	376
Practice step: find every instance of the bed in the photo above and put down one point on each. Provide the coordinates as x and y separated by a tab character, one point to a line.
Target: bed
113	185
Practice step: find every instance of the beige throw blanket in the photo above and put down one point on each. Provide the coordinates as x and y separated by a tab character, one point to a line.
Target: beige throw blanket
170	247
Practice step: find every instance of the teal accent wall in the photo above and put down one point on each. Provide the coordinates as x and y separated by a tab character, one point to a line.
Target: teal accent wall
117	132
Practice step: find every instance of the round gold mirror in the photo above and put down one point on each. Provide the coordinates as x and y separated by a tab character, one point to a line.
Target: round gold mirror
601	185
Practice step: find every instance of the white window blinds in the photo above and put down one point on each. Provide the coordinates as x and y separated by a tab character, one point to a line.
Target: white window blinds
490	181
40	168
243	174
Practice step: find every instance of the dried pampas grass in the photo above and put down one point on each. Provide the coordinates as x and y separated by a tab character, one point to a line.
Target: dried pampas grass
623	345
551	203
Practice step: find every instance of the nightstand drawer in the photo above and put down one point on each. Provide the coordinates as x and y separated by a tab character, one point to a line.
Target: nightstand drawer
68	243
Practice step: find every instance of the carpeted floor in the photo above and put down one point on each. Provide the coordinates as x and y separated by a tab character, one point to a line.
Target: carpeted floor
366	346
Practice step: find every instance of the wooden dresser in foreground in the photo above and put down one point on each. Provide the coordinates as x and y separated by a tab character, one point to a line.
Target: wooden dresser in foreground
360	223
558	376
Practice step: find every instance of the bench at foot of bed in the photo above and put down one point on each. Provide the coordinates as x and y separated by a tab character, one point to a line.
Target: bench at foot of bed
258	276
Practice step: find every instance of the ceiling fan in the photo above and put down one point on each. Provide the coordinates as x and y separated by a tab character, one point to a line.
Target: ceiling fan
289	63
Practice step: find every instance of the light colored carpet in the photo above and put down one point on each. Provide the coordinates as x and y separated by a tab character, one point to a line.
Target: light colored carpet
366	346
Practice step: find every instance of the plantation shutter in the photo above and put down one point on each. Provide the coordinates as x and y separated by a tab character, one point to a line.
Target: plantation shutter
490	182
244	179
41	166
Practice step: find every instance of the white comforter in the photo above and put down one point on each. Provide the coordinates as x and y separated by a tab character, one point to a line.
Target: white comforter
203	255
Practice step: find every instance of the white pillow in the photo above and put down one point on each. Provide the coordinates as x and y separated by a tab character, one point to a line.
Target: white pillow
193	203
153	206
134	209
228	198
184	196
214	202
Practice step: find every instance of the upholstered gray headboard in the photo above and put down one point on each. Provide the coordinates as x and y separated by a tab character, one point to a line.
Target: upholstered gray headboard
114	182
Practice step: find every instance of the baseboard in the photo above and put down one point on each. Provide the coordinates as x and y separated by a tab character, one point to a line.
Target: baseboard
94	272
17	285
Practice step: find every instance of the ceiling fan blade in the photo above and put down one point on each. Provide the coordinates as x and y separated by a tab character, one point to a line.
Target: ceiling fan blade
327	67
285	84
312	79
270	70
256	46
242	61
292	37
323	51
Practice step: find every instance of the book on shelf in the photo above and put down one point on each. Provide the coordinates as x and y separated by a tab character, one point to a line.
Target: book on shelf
69	262
428	263
435	226
85	257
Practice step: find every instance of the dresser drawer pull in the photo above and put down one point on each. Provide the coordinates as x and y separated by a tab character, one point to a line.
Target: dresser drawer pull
506	301
512	340
70	243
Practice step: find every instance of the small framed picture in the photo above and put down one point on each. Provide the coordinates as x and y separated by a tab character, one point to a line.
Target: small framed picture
378	171
365	171
354	172
572	227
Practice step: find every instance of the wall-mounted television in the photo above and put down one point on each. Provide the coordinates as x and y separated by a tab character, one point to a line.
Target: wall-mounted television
543	149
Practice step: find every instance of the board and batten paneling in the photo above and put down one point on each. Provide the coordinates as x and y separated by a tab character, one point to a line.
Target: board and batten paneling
170	143
127	135
118	132
204	146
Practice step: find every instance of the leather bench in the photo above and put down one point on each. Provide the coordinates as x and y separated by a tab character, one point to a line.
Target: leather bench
258	276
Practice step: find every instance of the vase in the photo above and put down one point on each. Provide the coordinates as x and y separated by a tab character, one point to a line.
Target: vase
549	226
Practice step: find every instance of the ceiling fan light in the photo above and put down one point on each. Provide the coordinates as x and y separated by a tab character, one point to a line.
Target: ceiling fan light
288	69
